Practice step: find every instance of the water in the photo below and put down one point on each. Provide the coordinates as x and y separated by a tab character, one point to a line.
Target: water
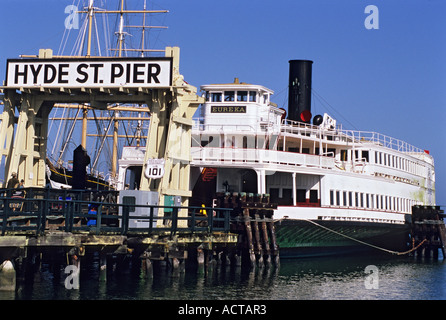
334	278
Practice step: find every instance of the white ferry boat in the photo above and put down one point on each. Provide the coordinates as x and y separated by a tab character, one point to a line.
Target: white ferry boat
336	189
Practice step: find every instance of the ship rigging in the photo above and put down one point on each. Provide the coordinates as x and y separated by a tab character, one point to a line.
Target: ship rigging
114	125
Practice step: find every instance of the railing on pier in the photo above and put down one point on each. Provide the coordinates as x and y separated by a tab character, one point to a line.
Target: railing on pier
34	210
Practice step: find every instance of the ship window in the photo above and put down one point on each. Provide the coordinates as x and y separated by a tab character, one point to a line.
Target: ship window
343	155
313	196
274	195
350	199
301	195
331	152
242	96
133	177
365	155
287	197
207	96
204	143
265	98
229	95
331	197
252	96
344	198
216	96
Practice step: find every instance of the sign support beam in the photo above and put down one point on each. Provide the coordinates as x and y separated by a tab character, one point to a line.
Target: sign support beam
34	86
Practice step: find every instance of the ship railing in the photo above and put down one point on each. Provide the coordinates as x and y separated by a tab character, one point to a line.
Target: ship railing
339	134
242	156
37	215
381	140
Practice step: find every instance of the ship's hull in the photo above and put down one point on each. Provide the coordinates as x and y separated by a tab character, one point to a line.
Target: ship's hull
63	179
311	238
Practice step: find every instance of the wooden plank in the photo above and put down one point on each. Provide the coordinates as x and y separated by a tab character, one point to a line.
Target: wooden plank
442	233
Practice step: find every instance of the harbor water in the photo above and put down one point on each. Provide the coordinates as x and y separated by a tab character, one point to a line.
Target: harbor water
365	277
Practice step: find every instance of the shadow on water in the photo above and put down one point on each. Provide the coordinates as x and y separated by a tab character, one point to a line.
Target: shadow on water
331	278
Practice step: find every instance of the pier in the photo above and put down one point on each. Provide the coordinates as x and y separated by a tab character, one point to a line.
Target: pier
428	231
67	227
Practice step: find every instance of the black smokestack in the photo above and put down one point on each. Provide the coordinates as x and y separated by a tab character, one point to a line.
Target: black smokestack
299	92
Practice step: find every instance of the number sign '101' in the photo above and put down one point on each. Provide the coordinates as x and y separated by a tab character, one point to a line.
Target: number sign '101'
154	169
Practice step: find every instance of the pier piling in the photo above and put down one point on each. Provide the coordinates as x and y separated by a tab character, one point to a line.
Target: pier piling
252	218
428	231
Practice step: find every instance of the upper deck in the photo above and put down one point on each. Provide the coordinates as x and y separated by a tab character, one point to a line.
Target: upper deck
238	121
240	108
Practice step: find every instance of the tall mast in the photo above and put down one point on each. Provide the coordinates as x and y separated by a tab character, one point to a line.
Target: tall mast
90	23
116	114
85	110
121	28
120	49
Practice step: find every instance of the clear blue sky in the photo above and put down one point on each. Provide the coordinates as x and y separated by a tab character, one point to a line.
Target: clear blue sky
391	80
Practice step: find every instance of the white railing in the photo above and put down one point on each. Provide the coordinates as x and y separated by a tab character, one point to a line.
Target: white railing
379	139
351	136
259	156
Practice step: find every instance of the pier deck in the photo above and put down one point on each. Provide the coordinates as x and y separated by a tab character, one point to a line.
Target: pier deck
71	224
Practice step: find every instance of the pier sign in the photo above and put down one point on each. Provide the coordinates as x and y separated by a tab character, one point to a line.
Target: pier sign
93	73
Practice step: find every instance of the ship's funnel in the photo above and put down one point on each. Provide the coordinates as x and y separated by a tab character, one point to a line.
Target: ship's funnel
299	91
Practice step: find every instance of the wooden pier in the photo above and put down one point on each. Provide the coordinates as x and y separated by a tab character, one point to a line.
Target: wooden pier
252	216
67	226
428	231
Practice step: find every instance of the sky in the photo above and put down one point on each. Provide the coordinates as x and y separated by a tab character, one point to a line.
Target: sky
389	79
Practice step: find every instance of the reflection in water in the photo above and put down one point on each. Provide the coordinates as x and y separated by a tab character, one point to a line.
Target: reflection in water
305	279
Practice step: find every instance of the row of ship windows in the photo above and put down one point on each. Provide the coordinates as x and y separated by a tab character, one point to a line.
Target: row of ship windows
352	199
383	159
396	162
230	96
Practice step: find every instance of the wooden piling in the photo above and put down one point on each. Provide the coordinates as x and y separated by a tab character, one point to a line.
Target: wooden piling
428	231
252	221
249	237
258	242
265	240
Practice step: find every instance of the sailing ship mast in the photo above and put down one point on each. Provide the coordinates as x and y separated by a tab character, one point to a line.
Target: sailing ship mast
120	50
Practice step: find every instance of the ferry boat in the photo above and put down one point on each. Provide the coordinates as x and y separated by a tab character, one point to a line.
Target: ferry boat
337	190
